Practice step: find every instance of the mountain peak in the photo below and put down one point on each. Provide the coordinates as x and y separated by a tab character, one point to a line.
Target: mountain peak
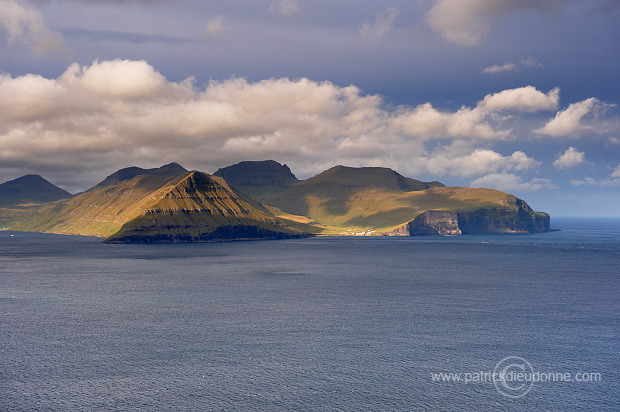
171	169
258	173
30	189
382	177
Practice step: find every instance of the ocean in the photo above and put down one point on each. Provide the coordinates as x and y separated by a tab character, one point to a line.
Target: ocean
477	322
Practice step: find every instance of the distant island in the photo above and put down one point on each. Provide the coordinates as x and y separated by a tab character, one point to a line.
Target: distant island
260	200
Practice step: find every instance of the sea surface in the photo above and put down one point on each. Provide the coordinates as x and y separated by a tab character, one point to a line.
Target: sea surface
317	324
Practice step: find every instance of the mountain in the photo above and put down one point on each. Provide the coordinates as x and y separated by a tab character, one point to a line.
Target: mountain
171	170
345	199
30	189
465	210
258	173
192	206
200	207
377	200
159	205
367	177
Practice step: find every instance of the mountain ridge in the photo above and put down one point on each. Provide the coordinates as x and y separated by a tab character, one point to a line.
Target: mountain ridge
156	205
171	169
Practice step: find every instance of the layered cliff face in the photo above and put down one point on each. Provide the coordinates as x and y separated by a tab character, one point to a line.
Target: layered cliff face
200	208
192	206
517	219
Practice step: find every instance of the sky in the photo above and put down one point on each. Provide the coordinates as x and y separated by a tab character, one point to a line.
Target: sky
516	95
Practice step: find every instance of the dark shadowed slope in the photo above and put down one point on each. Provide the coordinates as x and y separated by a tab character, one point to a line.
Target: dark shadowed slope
30	189
258	173
171	170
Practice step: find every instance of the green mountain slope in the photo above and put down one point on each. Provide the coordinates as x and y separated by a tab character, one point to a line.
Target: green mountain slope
346	199
30	189
200	207
98	211
375	200
158	206
192	206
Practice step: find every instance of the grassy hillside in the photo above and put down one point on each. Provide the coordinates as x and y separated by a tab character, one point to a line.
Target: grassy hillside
348	200
99	212
351	200
192	206
200	207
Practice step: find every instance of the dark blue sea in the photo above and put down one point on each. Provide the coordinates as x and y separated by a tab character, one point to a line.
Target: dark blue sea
317	324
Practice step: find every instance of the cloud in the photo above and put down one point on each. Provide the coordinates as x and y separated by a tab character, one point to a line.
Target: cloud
466	22
427	122
612	181
506	67
577	119
459	160
97	118
285	8
523	99
135	38
509	182
570	158
588	181
117	79
381	27
24	24
531	62
511	67
214	27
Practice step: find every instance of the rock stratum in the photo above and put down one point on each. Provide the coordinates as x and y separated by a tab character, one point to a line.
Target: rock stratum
267	201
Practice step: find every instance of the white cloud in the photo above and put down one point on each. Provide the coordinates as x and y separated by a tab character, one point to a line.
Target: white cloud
459	159
511	66
466	22
531	62
214	27
24	24
523	99
427	122
381	27
509	182
612	181
570	158
578	119
285	8
588	181
506	67
120	79
94	119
